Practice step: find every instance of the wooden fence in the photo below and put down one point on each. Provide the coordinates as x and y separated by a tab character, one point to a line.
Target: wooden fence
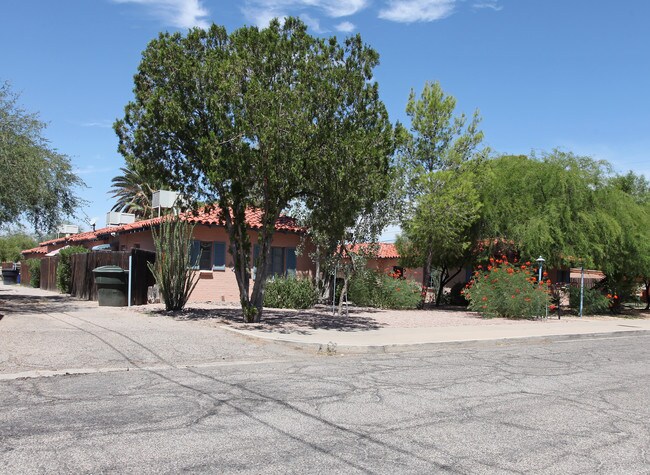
82	277
142	277
48	272
82	265
83	280
24	274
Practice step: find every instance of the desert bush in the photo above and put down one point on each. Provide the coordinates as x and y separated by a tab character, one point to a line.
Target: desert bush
594	301
289	292
507	290
64	269
173	267
369	288
34	266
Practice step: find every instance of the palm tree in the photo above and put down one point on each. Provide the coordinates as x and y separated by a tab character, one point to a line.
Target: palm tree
133	191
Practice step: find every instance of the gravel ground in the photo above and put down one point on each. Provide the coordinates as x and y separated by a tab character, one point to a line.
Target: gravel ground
214	314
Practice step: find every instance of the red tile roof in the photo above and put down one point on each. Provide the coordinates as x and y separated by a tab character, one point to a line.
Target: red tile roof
35	250
382	250
209	218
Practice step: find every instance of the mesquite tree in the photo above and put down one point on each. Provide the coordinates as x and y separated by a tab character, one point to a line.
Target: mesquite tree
37	183
255	118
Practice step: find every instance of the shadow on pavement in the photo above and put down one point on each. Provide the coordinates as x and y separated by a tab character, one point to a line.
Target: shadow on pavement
284	321
17	304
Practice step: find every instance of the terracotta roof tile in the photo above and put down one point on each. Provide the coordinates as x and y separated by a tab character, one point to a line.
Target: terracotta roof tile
383	250
210	218
35	250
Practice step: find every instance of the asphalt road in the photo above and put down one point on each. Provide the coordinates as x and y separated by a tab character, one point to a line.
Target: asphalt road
579	406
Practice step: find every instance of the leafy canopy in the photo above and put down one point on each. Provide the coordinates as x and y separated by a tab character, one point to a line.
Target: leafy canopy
257	118
36	182
437	158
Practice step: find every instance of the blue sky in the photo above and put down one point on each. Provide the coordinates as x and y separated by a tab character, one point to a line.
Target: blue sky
544	74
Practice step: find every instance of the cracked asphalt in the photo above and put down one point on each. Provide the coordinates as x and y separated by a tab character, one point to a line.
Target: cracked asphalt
164	396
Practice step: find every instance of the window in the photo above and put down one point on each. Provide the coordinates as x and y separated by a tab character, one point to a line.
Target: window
207	255
281	261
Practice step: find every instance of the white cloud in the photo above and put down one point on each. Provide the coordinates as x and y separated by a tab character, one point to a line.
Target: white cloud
409	11
262	17
260	12
177	13
346	27
311	22
491	4
102	123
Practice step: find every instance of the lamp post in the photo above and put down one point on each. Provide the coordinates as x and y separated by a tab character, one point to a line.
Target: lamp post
582	286
540	262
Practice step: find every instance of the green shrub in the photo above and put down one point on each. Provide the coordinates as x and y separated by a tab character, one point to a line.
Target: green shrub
289	292
34	266
64	269
593	301
362	288
507	290
369	288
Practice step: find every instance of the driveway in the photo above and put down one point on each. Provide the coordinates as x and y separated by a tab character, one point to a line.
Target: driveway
46	333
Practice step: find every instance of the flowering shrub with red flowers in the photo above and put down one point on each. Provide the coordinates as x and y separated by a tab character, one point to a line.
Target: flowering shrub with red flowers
510	290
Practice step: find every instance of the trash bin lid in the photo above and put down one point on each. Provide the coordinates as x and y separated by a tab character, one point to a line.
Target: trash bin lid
109	270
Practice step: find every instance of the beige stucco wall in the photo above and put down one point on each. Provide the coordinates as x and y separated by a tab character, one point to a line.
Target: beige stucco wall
220	285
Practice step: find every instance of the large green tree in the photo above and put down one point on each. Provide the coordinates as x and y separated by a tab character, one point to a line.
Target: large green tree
12	243
442	204
630	262
256	118
553	205
37	183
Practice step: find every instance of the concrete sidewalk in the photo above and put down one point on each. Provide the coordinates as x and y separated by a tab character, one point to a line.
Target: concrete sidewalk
409	339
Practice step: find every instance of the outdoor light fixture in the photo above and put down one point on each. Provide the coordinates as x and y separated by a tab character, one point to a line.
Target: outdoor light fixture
540	262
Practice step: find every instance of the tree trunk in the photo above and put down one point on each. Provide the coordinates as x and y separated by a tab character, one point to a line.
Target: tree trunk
344	293
444	281
259	284
426	277
647	294
441	285
240	248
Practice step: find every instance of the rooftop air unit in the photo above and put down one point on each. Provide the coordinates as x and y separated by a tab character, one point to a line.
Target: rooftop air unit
114	218
164	199
68	229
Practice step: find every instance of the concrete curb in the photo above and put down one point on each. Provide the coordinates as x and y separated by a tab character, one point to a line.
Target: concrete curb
332	348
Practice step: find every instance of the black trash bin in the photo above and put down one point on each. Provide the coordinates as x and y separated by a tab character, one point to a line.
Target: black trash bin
111	284
10	276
